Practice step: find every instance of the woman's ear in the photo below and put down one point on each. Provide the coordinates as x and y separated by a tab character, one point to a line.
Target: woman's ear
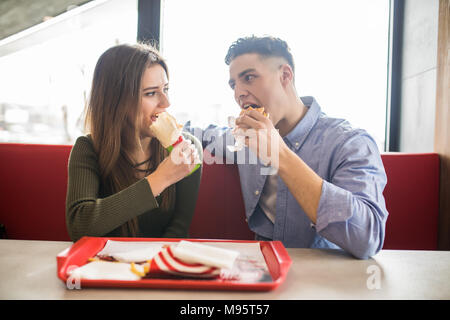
287	74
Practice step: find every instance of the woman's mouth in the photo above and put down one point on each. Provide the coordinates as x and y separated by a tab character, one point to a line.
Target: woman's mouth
154	117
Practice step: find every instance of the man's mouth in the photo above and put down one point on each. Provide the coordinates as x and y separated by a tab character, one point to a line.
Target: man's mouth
252	105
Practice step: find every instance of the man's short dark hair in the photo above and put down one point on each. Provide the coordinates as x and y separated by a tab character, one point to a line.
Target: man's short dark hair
264	46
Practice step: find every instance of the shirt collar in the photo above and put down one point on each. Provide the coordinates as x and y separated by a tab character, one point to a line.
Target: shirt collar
297	136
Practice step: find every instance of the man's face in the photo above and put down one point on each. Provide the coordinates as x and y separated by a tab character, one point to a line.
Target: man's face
257	81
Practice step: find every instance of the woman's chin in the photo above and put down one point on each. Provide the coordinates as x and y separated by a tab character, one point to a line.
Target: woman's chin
146	134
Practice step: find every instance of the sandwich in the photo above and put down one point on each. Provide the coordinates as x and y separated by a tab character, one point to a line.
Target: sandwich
239	139
166	130
254	107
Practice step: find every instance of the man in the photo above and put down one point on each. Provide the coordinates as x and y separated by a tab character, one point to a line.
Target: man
328	188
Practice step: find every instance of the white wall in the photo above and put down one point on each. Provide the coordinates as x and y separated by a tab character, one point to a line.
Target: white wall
418	95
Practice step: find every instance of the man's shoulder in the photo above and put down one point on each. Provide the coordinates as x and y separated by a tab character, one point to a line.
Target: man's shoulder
338	129
338	135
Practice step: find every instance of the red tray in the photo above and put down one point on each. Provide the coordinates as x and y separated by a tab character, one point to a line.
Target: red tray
275	254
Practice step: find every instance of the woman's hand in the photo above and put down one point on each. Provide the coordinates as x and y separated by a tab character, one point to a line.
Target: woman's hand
181	161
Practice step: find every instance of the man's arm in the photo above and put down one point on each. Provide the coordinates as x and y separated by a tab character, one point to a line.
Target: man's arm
304	184
214	140
349	209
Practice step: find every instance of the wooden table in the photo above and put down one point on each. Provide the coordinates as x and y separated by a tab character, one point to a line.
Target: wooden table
28	271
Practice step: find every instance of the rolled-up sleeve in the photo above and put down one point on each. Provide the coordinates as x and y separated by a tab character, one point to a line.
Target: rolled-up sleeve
352	211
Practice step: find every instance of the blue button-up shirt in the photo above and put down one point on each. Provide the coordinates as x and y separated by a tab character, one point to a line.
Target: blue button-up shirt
352	212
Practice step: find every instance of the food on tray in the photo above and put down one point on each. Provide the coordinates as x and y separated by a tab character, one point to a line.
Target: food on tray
136	255
166	264
105	270
211	256
184	259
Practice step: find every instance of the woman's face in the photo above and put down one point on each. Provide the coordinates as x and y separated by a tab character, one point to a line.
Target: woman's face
154	97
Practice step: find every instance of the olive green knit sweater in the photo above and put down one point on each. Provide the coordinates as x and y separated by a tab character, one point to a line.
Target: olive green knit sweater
91	212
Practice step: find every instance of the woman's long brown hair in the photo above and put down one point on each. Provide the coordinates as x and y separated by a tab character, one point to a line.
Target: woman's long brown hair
113	120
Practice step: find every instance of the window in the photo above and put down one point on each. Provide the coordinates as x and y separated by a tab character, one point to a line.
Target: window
47	70
340	50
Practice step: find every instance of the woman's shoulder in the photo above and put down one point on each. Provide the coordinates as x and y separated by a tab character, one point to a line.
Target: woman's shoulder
84	142
83	145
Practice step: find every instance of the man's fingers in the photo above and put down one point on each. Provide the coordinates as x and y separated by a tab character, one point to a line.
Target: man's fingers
246	122
252	119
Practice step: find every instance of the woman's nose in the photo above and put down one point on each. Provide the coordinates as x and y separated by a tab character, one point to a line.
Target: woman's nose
164	101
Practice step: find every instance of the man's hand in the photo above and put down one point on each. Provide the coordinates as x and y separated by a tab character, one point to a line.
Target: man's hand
260	136
304	184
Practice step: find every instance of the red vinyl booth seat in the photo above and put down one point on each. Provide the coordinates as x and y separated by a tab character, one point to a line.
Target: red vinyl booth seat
412	200
33	184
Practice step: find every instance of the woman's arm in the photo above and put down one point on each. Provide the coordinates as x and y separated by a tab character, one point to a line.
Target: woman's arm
86	213
186	198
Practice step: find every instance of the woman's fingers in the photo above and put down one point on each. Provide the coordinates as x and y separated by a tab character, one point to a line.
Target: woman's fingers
185	153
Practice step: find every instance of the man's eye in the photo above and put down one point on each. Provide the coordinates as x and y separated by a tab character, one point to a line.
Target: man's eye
249	77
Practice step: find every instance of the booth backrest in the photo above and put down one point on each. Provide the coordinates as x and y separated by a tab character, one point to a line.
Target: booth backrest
33	184
412	200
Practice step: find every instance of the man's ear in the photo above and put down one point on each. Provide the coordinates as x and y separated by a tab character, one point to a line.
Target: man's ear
286	74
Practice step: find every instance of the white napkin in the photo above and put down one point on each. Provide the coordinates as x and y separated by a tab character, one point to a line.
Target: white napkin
131	251
105	270
139	255
194	252
239	138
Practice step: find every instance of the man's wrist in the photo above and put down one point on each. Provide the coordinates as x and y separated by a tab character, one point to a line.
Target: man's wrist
283	156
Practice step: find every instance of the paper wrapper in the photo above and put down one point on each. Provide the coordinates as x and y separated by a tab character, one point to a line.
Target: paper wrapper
235	262
166	129
168	132
166	264
239	143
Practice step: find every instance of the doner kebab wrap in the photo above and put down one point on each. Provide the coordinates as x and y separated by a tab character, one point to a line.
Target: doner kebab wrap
240	140
168	132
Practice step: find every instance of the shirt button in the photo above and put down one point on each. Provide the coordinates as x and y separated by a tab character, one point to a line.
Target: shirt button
246	220
297	144
256	192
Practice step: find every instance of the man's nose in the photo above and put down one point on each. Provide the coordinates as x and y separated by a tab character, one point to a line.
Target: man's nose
239	94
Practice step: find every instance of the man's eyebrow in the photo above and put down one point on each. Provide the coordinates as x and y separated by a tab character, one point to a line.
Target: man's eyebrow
243	73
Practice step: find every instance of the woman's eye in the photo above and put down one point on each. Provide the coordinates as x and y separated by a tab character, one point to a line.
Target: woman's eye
166	90
150	94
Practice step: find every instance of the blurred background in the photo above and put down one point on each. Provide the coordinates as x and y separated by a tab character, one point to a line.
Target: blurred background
343	53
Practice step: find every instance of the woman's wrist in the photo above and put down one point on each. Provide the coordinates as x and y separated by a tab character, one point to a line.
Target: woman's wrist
156	183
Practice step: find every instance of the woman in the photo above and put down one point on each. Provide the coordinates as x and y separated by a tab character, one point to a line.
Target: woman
121	181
